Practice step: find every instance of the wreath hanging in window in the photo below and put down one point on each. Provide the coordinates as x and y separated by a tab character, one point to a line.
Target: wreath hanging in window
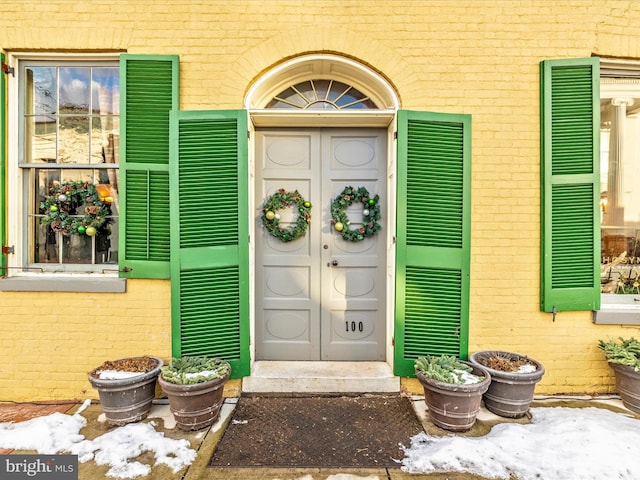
76	208
279	201
370	214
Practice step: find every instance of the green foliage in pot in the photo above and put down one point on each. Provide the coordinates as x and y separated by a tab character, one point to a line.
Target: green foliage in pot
622	351
192	370
445	368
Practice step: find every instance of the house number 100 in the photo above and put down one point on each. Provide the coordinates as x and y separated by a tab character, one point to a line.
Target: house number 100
351	327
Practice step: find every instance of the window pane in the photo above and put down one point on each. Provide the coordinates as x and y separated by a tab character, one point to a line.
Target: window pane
76	216
337	89
40	139
291	96
46	246
322	87
73	140
105	140
74	90
620	193
41	92
105	91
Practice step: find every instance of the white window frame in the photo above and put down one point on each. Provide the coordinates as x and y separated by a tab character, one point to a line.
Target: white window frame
19	278
619	309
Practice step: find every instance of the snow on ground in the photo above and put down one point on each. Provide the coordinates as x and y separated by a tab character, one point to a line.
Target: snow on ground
58	433
560	443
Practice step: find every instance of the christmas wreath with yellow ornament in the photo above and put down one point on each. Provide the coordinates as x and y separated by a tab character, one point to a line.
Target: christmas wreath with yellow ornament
76	208
279	201
370	213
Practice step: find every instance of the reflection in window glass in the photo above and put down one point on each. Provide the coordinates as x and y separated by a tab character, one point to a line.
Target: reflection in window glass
41	91
73	139
620	189
105	93
40	133
74	90
104	140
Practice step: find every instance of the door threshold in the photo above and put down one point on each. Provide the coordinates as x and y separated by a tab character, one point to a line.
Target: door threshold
320	377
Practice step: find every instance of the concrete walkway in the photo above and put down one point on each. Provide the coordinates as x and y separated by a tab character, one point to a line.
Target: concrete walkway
204	442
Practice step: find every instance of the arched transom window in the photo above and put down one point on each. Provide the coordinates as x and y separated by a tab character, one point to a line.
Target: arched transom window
321	94
321	83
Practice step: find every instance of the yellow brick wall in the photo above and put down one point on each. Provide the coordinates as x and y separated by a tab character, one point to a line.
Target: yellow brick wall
50	341
475	57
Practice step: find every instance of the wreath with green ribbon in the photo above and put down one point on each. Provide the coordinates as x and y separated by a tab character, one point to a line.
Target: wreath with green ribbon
370	213
279	201
75	208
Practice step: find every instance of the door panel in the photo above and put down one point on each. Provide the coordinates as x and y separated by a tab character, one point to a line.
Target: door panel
307	308
287	317
353	326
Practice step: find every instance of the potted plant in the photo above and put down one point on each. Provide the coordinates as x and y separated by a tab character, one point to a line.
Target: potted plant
194	386
513	381
452	390
126	387
623	356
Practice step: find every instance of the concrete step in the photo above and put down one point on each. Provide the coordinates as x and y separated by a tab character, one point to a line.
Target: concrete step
321	377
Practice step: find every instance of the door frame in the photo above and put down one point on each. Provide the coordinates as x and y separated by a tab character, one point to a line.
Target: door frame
369	119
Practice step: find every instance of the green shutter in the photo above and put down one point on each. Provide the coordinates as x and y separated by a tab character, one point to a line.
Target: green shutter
433	237
148	92
210	236
3	166
570	184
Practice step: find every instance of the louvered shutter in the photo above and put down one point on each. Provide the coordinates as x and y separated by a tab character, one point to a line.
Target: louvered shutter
3	166
570	129
210	237
148	92
433	237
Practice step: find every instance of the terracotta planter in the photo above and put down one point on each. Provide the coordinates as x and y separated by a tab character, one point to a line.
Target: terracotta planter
510	393
627	385
454	406
129	399
195	406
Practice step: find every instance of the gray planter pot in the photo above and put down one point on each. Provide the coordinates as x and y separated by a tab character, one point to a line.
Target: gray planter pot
127	400
628	386
510	393
453	406
195	406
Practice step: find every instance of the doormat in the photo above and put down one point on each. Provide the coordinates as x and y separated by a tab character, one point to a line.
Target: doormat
307	432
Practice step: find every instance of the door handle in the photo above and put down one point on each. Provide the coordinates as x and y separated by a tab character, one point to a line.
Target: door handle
333	263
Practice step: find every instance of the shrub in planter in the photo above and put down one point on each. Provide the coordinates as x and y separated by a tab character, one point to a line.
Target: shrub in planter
126	387
452	390
513	381
194	386
623	356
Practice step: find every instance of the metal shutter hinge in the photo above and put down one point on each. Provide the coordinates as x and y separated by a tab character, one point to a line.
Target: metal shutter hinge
6	250
395	135
7	69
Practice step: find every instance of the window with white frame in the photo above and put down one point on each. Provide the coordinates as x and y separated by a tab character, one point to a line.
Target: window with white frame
67	156
620	180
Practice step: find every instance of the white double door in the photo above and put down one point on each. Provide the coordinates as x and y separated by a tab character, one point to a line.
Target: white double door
320	297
